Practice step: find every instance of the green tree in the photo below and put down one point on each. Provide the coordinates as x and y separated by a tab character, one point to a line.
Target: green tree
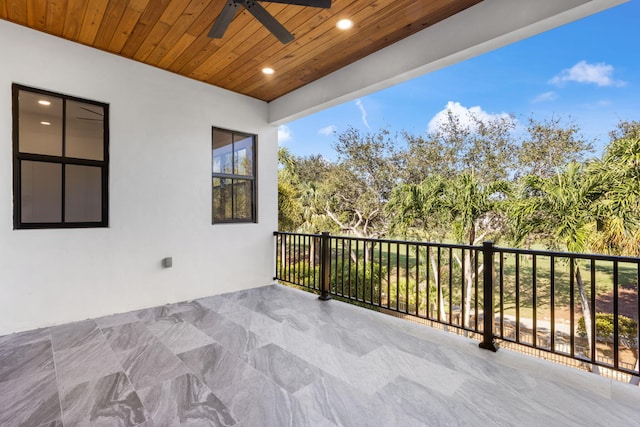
470	210
289	208
549	145
559	210
483	146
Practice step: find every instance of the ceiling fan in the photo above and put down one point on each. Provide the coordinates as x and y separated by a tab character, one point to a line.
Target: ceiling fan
231	8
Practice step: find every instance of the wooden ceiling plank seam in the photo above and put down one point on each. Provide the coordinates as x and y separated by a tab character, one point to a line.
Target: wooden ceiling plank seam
37	14
178	29
327	37
17	11
138	5
242	29
252	50
178	48
128	22
206	19
144	27
91	21
110	22
160	29
56	13
283	15
73	21
331	59
258	56
311	40
199	30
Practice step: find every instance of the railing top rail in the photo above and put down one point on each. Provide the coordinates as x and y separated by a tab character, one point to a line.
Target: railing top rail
559	254
538	252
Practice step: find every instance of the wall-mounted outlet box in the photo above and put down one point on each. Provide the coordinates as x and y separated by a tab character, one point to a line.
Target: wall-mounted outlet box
167	262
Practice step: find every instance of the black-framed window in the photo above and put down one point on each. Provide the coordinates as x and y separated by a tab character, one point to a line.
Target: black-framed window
60	160
233	176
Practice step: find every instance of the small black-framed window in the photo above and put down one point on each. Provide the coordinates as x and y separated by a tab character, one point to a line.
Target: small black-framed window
60	160
233	174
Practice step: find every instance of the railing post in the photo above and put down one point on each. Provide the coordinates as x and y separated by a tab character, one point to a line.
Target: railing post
488	341
325	265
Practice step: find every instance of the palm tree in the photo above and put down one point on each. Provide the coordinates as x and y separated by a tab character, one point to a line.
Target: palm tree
464	204
561	208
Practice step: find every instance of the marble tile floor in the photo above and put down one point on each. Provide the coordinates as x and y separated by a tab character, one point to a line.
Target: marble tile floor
275	356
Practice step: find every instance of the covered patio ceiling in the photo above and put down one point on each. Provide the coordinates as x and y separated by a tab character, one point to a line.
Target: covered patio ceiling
391	41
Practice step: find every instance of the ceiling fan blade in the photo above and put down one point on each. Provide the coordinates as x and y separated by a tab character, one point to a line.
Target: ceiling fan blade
261	14
325	4
223	20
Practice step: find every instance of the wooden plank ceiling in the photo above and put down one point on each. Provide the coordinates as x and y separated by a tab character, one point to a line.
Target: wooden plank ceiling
172	35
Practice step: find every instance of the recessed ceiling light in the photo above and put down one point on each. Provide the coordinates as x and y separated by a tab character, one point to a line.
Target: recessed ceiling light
44	102
45	123
344	24
268	70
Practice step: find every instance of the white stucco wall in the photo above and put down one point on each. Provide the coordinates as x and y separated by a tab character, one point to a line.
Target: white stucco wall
160	192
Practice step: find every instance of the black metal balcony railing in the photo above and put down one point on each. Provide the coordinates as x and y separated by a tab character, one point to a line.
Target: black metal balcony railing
536	299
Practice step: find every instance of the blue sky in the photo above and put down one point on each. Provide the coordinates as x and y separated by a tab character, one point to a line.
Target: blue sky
588	70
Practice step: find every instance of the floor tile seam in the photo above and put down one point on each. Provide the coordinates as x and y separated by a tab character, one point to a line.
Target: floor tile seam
58	389
53	367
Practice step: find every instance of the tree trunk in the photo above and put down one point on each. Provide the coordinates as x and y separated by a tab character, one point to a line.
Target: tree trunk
586	313
436	276
469	275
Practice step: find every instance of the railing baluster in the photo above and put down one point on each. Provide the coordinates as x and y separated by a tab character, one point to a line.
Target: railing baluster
450	285
616	338
439	284
406	279
534	304
517	297
463	305
594	354
552	290
501	255
572	342
427	277
417	280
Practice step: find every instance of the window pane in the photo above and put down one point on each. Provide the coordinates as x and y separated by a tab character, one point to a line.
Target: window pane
41	192
84	131
222	199
222	154
242	199
40	124
243	150
83	194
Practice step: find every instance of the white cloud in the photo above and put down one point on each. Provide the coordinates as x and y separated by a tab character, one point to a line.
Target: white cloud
467	116
600	74
284	134
364	113
545	97
328	130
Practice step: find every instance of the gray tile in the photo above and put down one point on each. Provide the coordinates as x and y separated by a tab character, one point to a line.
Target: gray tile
27	337
286	369
18	361
184	400
30	401
346	405
258	401
127	336
117	319
215	366
151	364
106	401
74	334
231	335
166	312
179	337
83	363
